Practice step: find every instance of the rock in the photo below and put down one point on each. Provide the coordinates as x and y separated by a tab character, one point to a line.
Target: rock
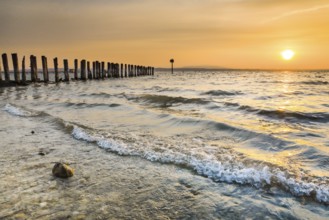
62	170
32	132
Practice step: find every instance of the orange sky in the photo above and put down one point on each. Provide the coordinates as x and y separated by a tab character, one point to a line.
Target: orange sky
223	33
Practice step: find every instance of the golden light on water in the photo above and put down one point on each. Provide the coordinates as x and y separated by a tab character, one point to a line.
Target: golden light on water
287	54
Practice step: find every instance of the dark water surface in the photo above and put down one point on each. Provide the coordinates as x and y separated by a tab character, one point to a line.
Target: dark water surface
194	145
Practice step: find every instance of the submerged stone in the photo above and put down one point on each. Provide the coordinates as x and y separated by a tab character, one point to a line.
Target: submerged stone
62	170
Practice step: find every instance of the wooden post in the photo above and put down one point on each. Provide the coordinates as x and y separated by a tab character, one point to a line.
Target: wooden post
98	69
56	69
83	70
76	69
129	70
94	70
16	67
118	70
103	69
113	70
33	74
90	76
121	69
5	67
35	66
135	70
23	70
45	69
66	70
108	69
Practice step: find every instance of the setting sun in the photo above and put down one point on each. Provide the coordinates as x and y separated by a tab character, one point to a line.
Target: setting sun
287	54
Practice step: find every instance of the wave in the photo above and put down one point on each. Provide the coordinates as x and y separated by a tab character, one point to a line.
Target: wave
223	166
19	111
321	117
167	101
217	163
91	105
221	93
312	82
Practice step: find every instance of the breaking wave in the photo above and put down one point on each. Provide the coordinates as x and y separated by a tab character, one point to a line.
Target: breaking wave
224	165
19	111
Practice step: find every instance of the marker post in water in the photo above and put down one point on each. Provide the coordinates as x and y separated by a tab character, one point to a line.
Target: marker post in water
172	65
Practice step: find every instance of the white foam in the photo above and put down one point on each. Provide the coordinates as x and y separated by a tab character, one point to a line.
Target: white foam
226	169
18	111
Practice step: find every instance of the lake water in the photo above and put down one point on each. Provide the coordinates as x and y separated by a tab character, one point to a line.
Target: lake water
192	145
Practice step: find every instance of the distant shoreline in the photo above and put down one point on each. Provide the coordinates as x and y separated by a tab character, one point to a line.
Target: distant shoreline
229	69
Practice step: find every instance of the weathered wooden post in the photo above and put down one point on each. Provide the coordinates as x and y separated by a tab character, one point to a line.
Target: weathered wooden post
135	70
121	70
116	70
130	70
16	67
66	70
94	70
56	69
23	70
76	69
90	76
35	64
33	72
113	70
5	67
108	69
103	70
45	69
98	66
83	70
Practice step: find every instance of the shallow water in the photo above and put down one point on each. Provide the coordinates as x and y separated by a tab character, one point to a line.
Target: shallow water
206	145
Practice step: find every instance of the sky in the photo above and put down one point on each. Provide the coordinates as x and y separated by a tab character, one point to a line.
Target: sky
243	34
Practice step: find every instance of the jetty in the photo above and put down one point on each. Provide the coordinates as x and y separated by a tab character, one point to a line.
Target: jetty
87	70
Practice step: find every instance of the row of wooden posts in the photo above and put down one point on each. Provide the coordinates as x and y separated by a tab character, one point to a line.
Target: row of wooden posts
114	70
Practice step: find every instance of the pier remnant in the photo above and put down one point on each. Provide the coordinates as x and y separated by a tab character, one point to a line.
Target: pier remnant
23	70
66	70
90	76
83	70
99	70
56	69
16	67
45	69
34	70
76	69
5	67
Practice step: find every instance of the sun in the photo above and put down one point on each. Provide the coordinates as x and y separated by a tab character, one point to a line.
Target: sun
287	54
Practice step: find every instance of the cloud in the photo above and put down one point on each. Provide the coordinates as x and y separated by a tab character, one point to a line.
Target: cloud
296	12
